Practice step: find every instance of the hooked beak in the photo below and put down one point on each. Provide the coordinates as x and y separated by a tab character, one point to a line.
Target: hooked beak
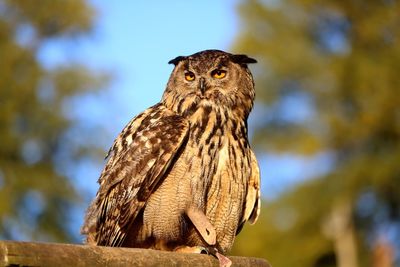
202	85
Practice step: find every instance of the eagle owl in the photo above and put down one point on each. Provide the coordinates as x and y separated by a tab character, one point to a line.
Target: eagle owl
181	175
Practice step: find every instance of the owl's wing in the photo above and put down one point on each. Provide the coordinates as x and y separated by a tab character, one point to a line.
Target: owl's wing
139	158
252	203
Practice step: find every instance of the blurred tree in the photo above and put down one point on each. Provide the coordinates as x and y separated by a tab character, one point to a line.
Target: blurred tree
328	76
36	144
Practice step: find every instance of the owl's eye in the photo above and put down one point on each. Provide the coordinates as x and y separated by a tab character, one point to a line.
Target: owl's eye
189	76
218	74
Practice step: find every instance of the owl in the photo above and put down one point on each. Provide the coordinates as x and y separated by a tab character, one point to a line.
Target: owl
181	175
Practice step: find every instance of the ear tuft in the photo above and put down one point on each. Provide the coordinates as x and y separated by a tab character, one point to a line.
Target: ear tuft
243	59
176	60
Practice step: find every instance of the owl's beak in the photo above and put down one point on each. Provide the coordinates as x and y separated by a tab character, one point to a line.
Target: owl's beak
202	85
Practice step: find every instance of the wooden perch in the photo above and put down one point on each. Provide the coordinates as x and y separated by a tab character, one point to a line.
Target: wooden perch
14	253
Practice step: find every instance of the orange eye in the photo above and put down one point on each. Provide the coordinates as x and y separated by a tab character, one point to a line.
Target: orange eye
218	74
189	76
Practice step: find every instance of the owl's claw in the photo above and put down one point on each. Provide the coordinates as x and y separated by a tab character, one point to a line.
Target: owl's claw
223	261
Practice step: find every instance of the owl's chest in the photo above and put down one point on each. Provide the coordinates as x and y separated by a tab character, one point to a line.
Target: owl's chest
213	161
216	158
218	173
210	174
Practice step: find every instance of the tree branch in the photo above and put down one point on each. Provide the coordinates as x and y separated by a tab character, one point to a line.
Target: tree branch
14	253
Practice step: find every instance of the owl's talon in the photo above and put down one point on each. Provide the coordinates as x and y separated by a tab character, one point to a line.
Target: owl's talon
205	251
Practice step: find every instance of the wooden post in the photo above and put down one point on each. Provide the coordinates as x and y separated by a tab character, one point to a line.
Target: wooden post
14	253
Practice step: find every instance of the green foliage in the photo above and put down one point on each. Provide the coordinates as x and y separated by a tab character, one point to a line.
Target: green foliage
338	60
35	195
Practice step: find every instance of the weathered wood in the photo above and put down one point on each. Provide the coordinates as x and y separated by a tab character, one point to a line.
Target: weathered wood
14	253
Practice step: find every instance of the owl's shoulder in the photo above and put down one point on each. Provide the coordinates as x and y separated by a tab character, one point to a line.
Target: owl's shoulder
155	129
156	118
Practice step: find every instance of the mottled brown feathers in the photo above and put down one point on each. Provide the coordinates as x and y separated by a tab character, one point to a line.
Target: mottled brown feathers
134	170
182	172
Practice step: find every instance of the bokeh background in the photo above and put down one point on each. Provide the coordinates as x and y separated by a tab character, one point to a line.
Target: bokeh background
325	126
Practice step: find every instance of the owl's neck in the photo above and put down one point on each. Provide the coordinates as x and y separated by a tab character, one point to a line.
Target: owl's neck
214	121
212	117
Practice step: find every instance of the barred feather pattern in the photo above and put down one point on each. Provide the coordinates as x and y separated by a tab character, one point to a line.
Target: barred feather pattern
188	152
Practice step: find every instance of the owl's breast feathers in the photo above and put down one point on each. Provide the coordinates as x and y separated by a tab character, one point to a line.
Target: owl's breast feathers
229	174
147	151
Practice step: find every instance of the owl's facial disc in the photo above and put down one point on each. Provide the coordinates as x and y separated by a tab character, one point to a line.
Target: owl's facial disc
203	79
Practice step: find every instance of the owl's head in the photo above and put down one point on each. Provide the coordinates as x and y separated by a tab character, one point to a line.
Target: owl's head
210	78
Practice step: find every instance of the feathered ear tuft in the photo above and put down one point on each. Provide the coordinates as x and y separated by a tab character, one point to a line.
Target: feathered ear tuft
243	59
176	60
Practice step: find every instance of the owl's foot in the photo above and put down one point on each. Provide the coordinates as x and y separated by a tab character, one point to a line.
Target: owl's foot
223	261
195	249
